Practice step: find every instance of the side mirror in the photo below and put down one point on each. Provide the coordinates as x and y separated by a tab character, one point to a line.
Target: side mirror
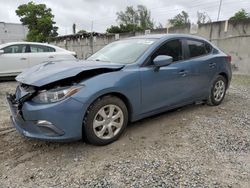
162	60
1	52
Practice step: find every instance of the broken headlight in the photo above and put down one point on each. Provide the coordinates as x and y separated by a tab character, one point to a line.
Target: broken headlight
55	95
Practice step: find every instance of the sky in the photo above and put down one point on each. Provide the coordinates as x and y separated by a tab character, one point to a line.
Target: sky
103	12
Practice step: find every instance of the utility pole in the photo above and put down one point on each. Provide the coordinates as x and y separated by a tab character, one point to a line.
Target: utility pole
74	28
92	24
219	10
91	38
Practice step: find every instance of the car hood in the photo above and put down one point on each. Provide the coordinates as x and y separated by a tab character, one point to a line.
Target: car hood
50	72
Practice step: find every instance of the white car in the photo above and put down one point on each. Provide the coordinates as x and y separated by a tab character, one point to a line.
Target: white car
18	56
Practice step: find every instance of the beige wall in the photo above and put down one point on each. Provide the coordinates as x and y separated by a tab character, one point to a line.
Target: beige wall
233	38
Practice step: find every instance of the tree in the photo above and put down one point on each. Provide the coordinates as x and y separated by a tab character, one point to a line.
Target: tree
202	18
159	26
132	20
240	15
179	20
114	29
39	20
129	16
81	31
124	28
144	17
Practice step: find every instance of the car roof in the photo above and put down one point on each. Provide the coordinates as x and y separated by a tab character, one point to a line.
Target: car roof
167	36
34	43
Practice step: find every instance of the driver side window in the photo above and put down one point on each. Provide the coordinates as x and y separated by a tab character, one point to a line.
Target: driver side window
172	48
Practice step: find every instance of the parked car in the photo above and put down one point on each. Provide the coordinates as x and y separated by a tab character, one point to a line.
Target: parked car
15	57
125	81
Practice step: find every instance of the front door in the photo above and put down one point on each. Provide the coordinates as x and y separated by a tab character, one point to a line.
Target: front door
170	85
14	59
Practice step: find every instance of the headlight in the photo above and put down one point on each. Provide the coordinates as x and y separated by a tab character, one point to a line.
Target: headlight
55	95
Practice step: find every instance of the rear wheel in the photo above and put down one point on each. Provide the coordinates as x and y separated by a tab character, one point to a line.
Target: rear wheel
105	120
218	91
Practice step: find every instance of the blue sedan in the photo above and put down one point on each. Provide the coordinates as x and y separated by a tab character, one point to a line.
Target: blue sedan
125	81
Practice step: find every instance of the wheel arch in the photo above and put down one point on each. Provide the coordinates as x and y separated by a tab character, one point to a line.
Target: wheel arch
119	95
225	76
124	99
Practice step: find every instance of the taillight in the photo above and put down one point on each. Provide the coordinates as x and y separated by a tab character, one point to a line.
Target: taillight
229	58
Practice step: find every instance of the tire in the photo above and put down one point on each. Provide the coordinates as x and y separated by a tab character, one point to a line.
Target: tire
218	91
105	120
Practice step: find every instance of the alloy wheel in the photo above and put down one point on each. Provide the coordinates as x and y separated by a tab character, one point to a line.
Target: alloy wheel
108	121
219	90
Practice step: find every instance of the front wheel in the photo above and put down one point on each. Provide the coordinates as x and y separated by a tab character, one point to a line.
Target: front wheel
218	91
105	120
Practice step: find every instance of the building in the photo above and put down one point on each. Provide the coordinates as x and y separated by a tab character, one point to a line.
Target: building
12	32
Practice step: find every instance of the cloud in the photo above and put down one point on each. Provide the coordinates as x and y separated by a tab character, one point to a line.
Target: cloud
103	13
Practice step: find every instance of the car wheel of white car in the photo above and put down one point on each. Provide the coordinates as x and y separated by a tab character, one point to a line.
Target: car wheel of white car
105	120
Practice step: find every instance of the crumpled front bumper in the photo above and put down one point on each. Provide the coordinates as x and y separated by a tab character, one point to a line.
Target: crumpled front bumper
64	117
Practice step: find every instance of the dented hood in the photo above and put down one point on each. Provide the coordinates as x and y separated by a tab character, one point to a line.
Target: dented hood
50	72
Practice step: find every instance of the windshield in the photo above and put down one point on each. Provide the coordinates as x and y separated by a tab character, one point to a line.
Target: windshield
124	51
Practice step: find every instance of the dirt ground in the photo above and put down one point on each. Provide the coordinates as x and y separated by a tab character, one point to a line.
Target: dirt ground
195	146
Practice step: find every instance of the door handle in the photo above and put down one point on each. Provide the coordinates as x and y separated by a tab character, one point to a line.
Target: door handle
51	56
183	73
212	65
23	58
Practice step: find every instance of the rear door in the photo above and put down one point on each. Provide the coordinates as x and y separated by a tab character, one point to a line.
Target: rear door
40	53
14	59
200	56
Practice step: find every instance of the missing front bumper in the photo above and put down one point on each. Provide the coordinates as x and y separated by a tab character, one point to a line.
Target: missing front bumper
30	128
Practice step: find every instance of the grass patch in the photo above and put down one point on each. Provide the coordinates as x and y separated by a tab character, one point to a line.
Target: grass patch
241	80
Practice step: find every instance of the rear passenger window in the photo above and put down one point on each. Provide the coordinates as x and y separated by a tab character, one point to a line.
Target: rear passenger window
172	48
198	48
38	49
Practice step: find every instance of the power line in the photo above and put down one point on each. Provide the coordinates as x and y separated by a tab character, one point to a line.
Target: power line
210	6
164	10
175	9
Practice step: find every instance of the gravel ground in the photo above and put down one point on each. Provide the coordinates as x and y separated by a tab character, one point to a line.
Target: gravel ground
195	146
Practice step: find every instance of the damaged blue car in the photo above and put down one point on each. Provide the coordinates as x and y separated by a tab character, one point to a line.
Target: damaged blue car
127	80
